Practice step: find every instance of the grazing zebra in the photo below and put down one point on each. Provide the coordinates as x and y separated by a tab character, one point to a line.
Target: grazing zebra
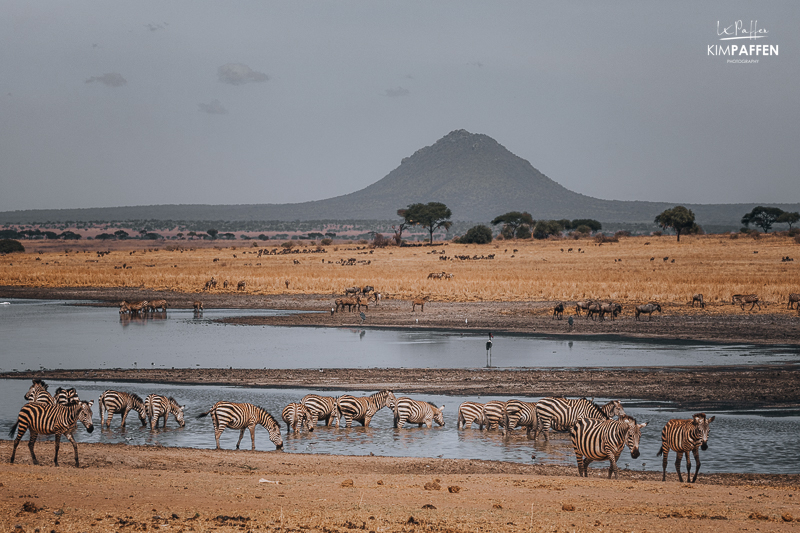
747	299
295	414
158	406
362	409
66	396
603	440
558	310
123	403
418	302
794	298
560	414
610	308
647	309
124	309
243	416
321	408
521	414
41	418
494	414
241	285
583	304
469	412
685	436
417	412
137	307
38	392
699	299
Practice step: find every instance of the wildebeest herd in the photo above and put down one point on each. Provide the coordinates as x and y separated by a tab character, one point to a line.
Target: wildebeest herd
595	433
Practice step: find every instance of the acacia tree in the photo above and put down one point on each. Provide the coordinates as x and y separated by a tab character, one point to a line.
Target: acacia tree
398	230
431	216
763	217
678	218
513	221
789	218
213	233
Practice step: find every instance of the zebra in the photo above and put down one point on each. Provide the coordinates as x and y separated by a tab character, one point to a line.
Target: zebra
794	298
296	414
417	412
699	299
158	406
743	299
66	396
418	302
243	416
362	409
494	413
124	309
38	392
560	414
685	436
610	308
521	414
558	310
137	307
42	418
647	309
469	412
603	440
121	402
321	408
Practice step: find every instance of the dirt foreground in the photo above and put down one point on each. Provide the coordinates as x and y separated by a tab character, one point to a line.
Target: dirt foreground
133	488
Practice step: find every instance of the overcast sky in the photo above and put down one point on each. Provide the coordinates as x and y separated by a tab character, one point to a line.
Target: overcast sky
128	103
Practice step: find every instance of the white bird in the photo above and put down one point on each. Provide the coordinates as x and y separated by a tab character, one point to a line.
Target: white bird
466	321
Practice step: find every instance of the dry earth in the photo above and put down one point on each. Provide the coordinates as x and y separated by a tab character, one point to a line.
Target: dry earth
132	488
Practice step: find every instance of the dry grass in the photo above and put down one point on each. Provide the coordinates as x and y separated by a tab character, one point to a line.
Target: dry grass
716	266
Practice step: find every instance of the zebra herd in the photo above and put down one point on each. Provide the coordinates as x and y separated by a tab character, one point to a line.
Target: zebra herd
355	298
596	435
141	308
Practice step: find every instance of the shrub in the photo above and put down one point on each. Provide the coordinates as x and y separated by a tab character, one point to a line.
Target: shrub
476	235
363	241
793	232
600	238
797	239
657	233
545	228
287	245
9	246
734	235
584	229
327	241
380	241
523	232
622	233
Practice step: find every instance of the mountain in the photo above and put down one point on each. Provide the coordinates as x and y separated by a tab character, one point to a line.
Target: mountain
472	173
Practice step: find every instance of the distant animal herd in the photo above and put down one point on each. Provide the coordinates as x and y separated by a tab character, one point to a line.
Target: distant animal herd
595	433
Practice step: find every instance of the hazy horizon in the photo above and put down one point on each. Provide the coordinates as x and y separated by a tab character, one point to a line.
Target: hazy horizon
108	105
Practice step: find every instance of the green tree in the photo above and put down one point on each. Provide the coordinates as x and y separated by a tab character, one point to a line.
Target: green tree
678	218
212	233
789	218
476	235
512	222
763	217
431	216
591	223
121	234
545	228
8	246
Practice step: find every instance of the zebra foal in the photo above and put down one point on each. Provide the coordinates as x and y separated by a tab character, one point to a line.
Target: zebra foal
158	406
417	412
243	416
123	403
684	436
42	418
604	440
362	409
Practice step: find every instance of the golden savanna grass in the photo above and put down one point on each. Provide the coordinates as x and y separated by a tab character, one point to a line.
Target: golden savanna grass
717	266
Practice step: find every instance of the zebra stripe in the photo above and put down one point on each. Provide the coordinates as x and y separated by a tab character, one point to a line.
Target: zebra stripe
121	402
603	440
243	416
362	409
743	299
521	414
685	436
417	412
494	414
560	414
38	392
66	396
321	408
296	414
158	406
469	412
42	418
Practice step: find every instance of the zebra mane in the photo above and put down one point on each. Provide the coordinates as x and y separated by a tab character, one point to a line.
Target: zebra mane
433	405
266	413
40	383
136	397
173	400
699	415
599	408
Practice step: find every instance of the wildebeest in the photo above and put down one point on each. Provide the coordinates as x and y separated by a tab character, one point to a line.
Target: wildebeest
794	298
699	299
198	307
611	308
583	304
558	310
351	290
648	309
241	285
341	302
418	302
593	309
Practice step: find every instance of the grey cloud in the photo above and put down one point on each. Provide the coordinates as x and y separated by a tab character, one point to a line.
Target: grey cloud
112	79
239	74
395	93
214	107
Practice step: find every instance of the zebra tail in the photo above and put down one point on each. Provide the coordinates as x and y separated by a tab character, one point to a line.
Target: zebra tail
13	429
203	415
660	451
